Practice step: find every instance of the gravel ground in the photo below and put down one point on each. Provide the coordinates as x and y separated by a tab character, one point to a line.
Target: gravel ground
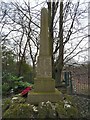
83	104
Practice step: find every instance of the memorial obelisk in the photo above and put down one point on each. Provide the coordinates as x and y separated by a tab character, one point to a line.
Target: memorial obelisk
44	85
43	81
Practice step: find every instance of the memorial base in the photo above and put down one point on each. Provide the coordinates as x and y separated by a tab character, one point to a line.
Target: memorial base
37	97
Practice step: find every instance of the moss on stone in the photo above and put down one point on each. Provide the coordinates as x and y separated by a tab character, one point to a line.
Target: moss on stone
6	104
46	110
60	109
72	112
19	111
19	108
67	108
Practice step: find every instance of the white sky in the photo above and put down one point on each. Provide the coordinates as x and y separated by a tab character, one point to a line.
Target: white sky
33	3
42	0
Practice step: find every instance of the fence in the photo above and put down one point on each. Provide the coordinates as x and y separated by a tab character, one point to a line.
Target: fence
76	83
80	84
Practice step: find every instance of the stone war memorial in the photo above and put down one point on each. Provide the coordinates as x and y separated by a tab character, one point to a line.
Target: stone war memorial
44	85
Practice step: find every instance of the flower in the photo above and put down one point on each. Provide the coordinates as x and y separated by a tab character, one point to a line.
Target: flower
14	98
67	105
48	102
42	103
35	109
25	91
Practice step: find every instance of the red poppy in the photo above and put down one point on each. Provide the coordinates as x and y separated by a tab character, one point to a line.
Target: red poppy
25	91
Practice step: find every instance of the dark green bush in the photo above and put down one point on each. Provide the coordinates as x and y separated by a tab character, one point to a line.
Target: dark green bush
15	84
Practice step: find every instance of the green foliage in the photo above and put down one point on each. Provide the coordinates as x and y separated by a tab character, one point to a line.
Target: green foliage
66	110
10	70
6	104
19	108
5	88
8	61
46	110
26	71
15	83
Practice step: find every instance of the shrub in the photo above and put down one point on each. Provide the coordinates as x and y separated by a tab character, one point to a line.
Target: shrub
15	84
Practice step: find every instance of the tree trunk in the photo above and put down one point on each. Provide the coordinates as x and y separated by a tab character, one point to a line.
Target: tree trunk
34	72
51	6
60	58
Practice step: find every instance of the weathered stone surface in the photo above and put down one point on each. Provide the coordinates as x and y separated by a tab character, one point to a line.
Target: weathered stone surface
65	108
44	68
37	97
44	42
43	81
44	85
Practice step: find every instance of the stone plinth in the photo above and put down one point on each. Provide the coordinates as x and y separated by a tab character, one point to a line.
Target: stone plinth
36	97
43	81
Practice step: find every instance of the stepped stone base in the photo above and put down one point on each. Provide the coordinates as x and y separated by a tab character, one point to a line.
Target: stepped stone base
36	97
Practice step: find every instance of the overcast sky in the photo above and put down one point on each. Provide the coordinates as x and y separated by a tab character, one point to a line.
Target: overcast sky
42	0
34	2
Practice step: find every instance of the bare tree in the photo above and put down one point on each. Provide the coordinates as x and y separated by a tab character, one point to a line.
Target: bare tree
20	23
67	20
67	34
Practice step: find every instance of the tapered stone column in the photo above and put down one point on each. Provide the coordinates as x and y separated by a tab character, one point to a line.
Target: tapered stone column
44	81
44	85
